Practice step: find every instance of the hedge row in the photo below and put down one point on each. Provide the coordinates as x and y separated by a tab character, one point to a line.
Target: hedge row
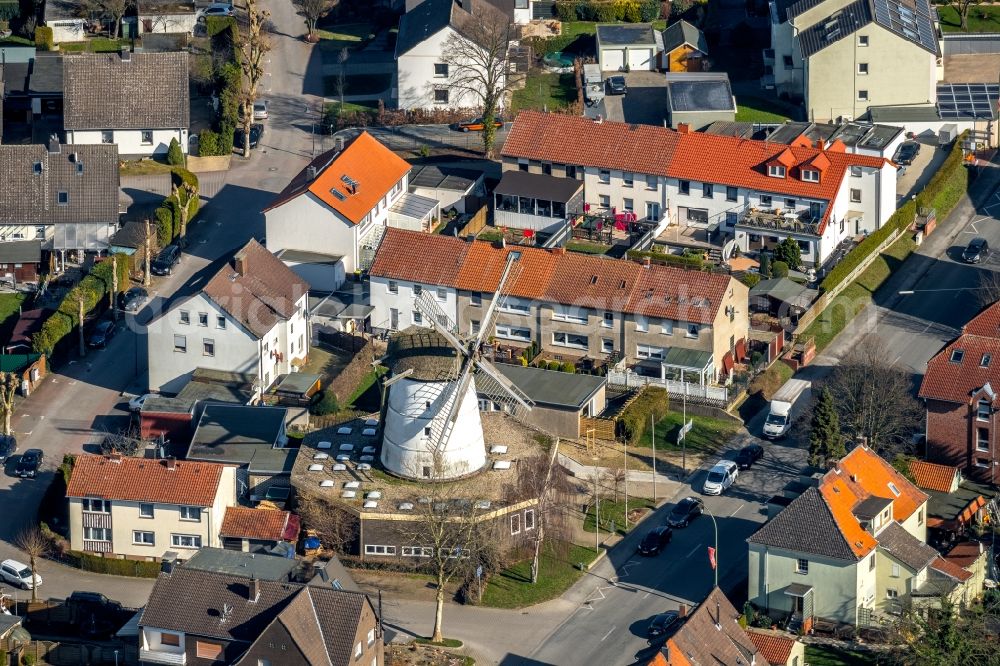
44	40
687	260
942	193
604	11
93	288
228	79
115	567
634	419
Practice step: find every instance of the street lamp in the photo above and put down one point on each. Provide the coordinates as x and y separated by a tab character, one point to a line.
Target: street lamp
715	525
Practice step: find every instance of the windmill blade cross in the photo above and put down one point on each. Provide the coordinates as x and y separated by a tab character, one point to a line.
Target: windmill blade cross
515	395
439	321
508	275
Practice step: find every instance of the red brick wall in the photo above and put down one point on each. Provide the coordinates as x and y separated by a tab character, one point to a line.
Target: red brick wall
176	427
951	438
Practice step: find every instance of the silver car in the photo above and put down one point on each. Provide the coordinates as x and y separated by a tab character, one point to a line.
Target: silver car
260	110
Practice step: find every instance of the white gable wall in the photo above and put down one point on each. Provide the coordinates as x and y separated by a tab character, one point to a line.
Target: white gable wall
415	79
130	141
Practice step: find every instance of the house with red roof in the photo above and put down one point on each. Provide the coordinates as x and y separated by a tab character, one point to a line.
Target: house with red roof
851	549
666	322
956	505
724	187
960	396
328	220
140	508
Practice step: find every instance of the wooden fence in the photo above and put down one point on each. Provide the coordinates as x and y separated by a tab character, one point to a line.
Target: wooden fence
603	428
476	223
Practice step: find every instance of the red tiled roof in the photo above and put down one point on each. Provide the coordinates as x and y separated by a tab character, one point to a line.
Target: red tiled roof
365	161
263	524
145	480
773	647
957	381
931	476
950	569
965	554
552	275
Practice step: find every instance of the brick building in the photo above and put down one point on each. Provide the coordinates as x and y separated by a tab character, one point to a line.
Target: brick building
959	392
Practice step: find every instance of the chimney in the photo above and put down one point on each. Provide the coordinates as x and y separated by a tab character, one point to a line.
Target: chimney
558	250
599	119
170	463
115	458
683	128
820	145
646	262
340	143
126	54
54	144
240	263
718	616
311	173
254	590
682	611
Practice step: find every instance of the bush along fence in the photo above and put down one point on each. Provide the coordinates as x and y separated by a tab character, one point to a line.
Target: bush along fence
178	209
606	11
223	32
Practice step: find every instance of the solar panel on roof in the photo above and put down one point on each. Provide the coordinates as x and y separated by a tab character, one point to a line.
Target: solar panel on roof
968	100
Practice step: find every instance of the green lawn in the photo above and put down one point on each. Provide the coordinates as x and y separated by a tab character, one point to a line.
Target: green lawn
982	18
574	28
760	110
367	397
14	40
826	655
350	35
95	45
143	167
545	90
586	247
9	312
512	588
707	434
614	512
489	234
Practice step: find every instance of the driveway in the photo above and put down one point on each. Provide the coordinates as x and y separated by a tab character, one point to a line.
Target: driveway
645	102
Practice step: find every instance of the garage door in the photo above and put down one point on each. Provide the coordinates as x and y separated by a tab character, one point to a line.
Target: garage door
641	59
612	60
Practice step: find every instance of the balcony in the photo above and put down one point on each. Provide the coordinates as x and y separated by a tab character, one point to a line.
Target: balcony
158	657
803	222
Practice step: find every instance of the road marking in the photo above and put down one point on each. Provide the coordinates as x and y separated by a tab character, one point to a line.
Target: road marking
646	596
737	510
608	634
694	550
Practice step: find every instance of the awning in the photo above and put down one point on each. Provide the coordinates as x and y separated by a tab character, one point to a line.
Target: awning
414	206
680	357
970	511
741	349
727	362
798	590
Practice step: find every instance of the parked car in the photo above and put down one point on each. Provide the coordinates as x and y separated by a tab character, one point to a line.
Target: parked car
685	511
748	455
655	540
215	9
102	334
616	85
260	110
977	250
8	445
907	152
28	464
476	125
136	403
133	299
19	574
662	623
256	132
720	477
165	261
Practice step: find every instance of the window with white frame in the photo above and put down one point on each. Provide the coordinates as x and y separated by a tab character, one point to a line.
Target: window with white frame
667	326
440	70
983	410
607	345
651	182
863	68
220	322
508	332
574	340
529	519
357	651
203	319
474	327
569	314
147	510
180	344
648	351
515	523
143	538
731	193
684	186
417	290
417	317
91	505
185	540
810	176
707	190
862	95
765	200
192	513
982	439
641	324
514	306
393	287
790	203
371	637
775	171
440	95
801	566
97	533
476	300
855	195
692	330
628	179
417	551
442	294
855	171
208	347
894	570
371	549
891	593
604	201
604	176
146	137
608	320
862	40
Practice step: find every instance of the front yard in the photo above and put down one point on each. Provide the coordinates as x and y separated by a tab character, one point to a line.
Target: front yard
760	110
612	511
559	569
334	37
545	90
707	434
982	18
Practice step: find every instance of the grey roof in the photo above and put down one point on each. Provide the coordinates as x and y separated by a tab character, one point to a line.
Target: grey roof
161	404
425	352
687	358
132	234
246	565
905	547
33	177
243	435
681	33
835	27
793	9
806	526
539	186
870	507
352	302
878	136
414	206
553	388
198	390
913	20
443	178
432	16
8	622
904	113
637	34
948	506
14	76
21	252
144	91
46	74
730	128
296	382
784	290
319	620
63	9
306	257
788	132
696	91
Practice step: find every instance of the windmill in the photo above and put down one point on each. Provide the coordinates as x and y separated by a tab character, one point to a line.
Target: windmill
432	427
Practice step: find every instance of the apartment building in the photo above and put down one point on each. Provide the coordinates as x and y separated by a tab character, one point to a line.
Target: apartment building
140	508
675	322
755	191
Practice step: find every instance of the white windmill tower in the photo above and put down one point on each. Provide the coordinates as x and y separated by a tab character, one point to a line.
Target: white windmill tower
432	428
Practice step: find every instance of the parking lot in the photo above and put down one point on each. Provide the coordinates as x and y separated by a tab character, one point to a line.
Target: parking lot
645	102
915	176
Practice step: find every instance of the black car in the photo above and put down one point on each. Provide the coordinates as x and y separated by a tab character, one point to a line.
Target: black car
907	152
102	334
166	260
685	511
748	455
27	466
8	445
616	85
662	623
976	251
655	540
256	132
133	299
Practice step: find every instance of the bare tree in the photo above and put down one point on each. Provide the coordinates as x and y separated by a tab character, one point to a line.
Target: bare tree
873	395
337	529
478	64
148	250
312	11
543	479
613	478
111	9
253	44
341	77
184	193
8	387
35	545
126	442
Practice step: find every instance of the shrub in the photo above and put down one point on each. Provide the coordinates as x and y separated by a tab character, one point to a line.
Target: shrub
553	365
164	225
115	567
750	279
174	155
326	405
43	38
28	659
215	25
779	269
566	11
568	367
765	264
208	143
605	12
689	261
633	421
789	252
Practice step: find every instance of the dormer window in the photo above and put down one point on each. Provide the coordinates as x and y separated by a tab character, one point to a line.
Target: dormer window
776	171
810	176
957	355
983	410
63	198
984	362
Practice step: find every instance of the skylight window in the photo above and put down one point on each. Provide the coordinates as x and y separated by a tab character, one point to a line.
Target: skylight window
337	193
894	489
957	355
984	362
